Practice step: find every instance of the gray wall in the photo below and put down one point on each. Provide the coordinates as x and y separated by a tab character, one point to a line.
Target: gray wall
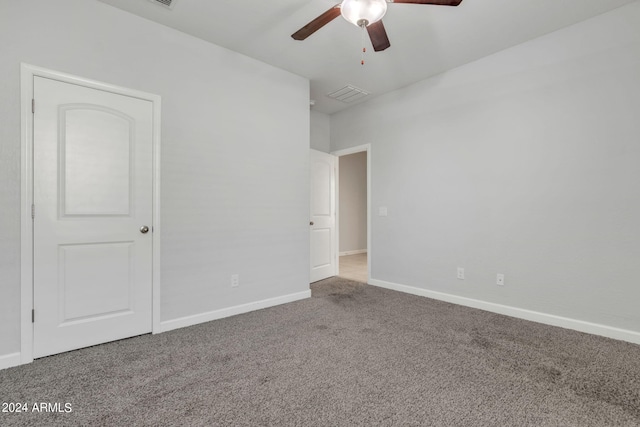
235	149
523	163
320	131
353	202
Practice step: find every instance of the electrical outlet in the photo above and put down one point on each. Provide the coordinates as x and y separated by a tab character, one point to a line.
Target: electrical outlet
460	273
235	280
500	279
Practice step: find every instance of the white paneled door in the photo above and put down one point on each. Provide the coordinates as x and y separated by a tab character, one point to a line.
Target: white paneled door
93	196
323	215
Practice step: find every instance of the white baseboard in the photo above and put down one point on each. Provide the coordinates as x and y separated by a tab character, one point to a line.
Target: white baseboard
10	360
535	316
183	322
355	252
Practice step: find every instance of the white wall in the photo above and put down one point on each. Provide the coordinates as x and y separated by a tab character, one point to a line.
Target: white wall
320	131
353	202
523	163
235	148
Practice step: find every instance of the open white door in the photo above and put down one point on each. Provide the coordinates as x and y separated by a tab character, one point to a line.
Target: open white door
323	216
93	199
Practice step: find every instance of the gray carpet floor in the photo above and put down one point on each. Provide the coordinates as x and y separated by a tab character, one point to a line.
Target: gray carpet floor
353	355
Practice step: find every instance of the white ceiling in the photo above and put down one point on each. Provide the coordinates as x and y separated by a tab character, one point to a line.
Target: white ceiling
425	40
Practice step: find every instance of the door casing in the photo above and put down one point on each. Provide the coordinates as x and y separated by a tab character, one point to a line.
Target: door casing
28	73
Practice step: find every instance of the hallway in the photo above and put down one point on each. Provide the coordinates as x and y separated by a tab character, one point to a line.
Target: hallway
354	267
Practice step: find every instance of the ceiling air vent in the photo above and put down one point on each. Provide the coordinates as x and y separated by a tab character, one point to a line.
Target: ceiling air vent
166	3
348	94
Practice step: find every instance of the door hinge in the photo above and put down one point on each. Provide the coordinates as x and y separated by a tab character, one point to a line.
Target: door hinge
33	211
33	315
33	106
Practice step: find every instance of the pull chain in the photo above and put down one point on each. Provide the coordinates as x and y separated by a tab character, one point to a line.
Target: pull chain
364	49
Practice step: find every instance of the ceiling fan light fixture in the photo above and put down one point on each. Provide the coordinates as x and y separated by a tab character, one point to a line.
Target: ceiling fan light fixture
363	12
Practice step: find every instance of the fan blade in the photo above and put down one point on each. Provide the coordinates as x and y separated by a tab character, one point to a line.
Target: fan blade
317	23
378	36
436	2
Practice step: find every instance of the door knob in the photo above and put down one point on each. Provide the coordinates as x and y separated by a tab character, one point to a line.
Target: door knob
311	223
144	229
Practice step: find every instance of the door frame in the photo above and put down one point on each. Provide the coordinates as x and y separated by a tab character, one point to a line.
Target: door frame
27	74
339	153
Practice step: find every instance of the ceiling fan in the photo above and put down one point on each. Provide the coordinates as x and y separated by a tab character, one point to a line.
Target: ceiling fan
365	14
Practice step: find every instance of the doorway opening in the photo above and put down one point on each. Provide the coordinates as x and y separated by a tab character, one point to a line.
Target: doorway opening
353	213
